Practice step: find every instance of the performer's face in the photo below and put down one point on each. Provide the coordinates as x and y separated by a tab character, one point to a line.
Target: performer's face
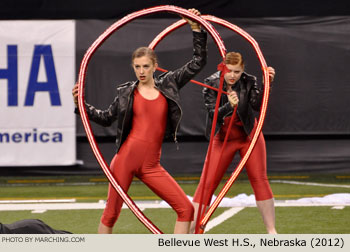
144	69
234	74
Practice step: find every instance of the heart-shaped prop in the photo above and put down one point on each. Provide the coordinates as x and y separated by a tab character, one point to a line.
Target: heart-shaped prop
81	82
202	219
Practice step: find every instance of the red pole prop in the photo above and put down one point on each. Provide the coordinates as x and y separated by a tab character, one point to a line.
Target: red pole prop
194	81
263	108
81	83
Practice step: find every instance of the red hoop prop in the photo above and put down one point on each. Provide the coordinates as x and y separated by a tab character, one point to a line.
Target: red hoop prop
81	83
263	108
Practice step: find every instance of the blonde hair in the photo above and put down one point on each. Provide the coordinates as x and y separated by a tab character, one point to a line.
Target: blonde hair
144	51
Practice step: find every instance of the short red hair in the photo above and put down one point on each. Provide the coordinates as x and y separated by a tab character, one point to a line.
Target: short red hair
234	58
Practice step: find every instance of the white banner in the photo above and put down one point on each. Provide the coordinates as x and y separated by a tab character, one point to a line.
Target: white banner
167	242
37	73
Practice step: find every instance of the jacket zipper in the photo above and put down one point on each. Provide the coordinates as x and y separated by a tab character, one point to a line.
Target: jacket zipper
178	123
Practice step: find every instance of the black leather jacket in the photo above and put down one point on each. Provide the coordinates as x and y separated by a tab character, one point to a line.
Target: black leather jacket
168	84
249	95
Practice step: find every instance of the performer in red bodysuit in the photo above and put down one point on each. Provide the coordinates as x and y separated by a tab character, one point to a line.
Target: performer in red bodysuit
243	92
143	110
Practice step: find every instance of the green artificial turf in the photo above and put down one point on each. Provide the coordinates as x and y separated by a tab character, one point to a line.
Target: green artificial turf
289	220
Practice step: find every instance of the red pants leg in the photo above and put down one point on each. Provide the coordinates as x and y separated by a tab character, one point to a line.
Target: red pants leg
162	184
256	169
215	172
123	166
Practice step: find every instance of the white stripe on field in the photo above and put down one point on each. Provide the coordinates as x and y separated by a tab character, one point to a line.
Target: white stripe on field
241	200
39	211
141	205
38	201
222	217
308	183
338	207
71	206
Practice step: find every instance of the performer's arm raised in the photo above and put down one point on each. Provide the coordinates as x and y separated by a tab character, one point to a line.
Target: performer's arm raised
199	58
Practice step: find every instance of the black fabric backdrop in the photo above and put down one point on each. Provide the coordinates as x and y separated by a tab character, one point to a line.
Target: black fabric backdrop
112	9
310	94
307	127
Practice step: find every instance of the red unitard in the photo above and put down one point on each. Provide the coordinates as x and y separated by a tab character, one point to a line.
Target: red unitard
255	166
140	156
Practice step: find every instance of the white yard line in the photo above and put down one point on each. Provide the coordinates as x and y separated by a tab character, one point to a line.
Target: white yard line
38	201
43	207
308	183
50	206
234	210
39	211
142	205
338	207
70	206
222	217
